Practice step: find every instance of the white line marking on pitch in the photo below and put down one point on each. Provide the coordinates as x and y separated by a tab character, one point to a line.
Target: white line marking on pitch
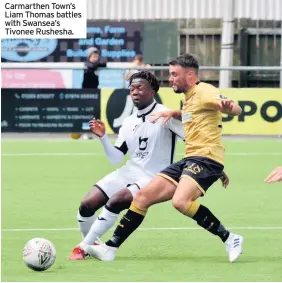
144	229
102	154
54	154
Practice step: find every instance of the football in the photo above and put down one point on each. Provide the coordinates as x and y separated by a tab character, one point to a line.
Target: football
75	136
39	254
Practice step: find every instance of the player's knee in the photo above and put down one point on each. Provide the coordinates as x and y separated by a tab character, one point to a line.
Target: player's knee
180	204
123	196
120	201
141	200
85	210
94	200
88	207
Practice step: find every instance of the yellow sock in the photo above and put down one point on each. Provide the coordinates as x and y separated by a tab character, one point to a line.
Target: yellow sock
138	210
192	209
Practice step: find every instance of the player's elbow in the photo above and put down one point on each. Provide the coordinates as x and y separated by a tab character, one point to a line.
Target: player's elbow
115	157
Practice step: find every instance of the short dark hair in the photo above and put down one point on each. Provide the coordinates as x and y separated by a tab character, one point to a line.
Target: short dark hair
139	58
149	77
186	61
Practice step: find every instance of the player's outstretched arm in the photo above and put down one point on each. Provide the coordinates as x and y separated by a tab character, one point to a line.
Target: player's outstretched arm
98	128
229	107
166	115
275	176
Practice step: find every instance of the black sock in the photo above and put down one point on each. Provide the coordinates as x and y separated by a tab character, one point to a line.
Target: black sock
128	224
208	221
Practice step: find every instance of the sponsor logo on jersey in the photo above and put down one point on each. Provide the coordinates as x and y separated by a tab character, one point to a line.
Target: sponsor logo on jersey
143	144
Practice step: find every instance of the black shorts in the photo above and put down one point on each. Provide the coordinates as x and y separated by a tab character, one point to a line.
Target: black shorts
202	171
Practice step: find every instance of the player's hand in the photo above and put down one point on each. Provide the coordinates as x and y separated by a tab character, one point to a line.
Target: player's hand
224	179
97	127
225	106
166	115
275	176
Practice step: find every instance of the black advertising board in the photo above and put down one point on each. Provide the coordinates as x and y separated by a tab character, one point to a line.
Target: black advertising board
117	42
48	110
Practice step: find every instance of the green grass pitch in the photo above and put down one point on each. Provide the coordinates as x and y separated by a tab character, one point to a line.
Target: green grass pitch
44	181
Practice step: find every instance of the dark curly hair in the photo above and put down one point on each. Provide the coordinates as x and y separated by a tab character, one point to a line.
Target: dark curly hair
149	77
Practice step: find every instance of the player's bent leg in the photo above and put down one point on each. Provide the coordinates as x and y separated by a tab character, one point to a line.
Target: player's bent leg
118	202
187	192
158	190
121	200
94	200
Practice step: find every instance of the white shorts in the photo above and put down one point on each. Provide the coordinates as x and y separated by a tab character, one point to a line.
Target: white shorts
124	177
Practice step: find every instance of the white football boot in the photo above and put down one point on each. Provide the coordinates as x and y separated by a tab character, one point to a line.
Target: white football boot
101	251
234	246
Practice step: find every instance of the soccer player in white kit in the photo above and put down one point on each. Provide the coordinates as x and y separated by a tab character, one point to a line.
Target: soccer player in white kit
151	148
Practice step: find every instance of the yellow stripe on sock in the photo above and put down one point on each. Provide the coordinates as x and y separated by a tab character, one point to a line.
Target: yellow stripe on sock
192	209
138	210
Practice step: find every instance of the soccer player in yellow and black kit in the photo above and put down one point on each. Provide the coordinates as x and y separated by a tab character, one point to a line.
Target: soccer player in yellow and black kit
184	181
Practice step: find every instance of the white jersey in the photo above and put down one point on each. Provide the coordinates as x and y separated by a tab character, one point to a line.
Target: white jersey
151	145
